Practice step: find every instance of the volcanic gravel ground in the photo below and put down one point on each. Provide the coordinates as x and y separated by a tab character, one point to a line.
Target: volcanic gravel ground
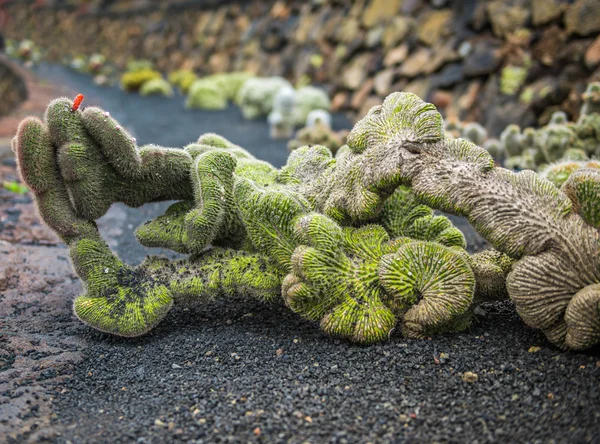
239	371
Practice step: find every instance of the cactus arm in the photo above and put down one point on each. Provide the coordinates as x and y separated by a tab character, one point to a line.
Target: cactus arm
117	299
100	163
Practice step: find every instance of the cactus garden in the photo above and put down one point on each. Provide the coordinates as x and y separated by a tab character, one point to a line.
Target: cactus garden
300	222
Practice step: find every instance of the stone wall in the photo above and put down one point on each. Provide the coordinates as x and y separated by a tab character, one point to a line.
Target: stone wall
13	89
498	61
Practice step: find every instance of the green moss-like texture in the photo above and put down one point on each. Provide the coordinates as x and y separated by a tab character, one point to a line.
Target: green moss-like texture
349	241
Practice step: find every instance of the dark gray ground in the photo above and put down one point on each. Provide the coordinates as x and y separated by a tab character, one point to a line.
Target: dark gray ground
239	371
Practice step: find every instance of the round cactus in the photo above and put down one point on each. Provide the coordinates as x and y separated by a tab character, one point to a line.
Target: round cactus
206	94
257	95
157	86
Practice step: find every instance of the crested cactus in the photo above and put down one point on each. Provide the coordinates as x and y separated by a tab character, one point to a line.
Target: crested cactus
262	218
555	279
343	238
77	163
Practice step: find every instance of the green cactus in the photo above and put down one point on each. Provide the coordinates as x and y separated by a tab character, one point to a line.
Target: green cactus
158	86
82	156
496	150
182	79
133	80
96	63
206	94
359	251
256	96
511	140
309	98
230	82
554	282
559	172
475	133
591	100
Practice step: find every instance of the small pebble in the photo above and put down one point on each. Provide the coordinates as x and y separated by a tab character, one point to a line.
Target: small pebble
470	377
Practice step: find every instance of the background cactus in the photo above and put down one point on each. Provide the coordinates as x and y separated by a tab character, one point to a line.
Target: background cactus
205	94
555	150
281	118
309	98
257	95
182	79
158	86
318	132
133	80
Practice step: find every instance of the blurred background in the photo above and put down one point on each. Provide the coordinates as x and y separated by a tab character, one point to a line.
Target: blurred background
496	62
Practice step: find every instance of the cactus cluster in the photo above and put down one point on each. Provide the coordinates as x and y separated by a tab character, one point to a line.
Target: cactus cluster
554	150
214	91
318	131
25	50
141	76
350	241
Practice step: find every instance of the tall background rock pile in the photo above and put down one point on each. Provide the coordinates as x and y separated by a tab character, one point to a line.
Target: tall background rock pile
497	62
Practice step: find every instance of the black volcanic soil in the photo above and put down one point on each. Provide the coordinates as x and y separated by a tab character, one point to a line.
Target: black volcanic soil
239	371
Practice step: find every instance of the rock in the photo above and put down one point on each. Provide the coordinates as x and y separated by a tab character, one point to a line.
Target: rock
420	87
583	17
544	11
443	53
545	50
396	31
484	59
469	98
478	18
360	96
369	103
574	52
415	63
592	55
339	101
379	11
506	18
449	75
218	62
433	26
355	74
470	377
383	81
396	56
441	99
348	30
374	36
